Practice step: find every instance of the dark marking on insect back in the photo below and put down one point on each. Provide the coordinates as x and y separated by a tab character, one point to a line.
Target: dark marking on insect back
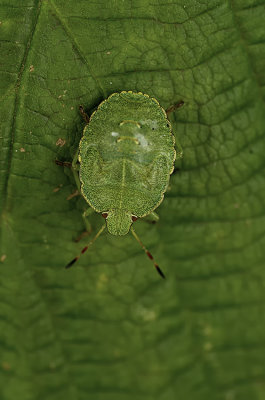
134	218
104	215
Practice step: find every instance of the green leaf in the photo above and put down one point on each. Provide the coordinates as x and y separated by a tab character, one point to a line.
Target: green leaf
110	328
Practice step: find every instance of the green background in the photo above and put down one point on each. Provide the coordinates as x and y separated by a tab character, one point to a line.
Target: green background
110	328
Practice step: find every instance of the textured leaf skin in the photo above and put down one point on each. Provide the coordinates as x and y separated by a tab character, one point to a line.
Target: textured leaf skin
110	328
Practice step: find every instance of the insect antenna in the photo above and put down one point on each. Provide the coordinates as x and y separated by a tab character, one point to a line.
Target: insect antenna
86	247
147	253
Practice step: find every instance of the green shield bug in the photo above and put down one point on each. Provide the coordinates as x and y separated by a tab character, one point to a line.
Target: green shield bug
124	162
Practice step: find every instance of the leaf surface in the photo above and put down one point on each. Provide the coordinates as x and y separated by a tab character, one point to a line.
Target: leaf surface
110	328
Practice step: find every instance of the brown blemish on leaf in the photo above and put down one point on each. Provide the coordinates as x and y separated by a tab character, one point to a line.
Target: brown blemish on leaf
60	142
3	257
22	150
31	68
6	366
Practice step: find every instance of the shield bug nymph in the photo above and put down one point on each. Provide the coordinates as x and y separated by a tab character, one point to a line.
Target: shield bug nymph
124	162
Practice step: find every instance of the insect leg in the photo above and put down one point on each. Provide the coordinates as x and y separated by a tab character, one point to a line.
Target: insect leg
87	224
174	107
74	165
75	169
84	114
152	218
148	253
63	163
85	216
86	247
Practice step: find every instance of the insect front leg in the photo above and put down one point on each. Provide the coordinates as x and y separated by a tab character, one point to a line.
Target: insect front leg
152	218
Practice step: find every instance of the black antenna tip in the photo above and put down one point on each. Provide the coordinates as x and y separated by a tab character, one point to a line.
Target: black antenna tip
71	262
160	272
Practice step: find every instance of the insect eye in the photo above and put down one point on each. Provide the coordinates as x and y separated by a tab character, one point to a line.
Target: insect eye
134	218
104	215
